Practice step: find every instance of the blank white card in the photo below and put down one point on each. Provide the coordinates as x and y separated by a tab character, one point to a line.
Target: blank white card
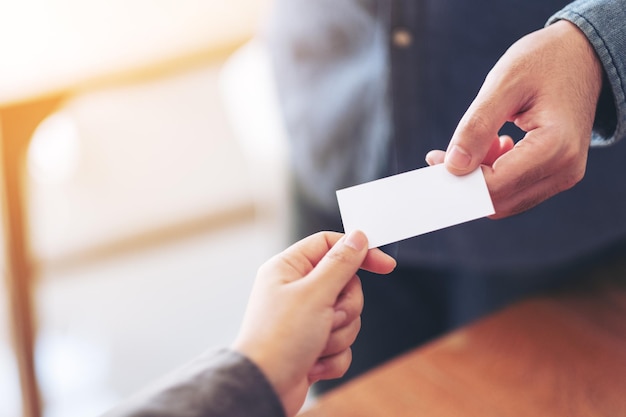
413	203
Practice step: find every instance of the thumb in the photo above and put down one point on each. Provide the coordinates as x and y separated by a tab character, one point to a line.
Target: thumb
339	265
495	104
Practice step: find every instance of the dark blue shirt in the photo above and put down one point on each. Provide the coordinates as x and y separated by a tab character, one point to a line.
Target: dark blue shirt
369	87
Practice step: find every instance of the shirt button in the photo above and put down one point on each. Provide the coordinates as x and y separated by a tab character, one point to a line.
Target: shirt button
402	38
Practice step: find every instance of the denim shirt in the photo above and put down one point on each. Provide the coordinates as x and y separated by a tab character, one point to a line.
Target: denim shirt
368	87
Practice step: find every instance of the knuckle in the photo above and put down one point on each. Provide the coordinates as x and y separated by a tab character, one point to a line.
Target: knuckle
339	256
327	236
340	364
322	235
357	328
265	270
476	124
346	359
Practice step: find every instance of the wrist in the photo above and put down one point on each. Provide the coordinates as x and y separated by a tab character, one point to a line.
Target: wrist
591	66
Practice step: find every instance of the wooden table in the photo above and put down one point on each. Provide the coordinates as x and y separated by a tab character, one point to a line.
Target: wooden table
52	50
561	355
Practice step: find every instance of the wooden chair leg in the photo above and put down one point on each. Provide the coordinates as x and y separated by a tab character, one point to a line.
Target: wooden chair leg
17	124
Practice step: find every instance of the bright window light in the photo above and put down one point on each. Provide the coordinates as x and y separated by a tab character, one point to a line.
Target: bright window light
54	151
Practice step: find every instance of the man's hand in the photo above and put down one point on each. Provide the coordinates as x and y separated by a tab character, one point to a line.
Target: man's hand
548	84
304	312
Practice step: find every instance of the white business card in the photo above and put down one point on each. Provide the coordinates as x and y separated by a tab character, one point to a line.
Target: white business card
413	203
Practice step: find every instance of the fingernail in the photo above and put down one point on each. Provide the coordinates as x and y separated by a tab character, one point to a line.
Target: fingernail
458	157
356	240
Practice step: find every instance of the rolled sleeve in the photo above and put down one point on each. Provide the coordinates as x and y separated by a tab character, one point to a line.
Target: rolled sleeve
602	21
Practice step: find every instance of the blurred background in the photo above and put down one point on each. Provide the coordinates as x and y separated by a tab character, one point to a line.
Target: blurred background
153	191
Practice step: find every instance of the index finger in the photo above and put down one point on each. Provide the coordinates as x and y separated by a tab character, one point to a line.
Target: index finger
500	98
305	254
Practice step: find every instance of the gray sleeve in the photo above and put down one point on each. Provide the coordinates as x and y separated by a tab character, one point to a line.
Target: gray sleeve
221	384
604	24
